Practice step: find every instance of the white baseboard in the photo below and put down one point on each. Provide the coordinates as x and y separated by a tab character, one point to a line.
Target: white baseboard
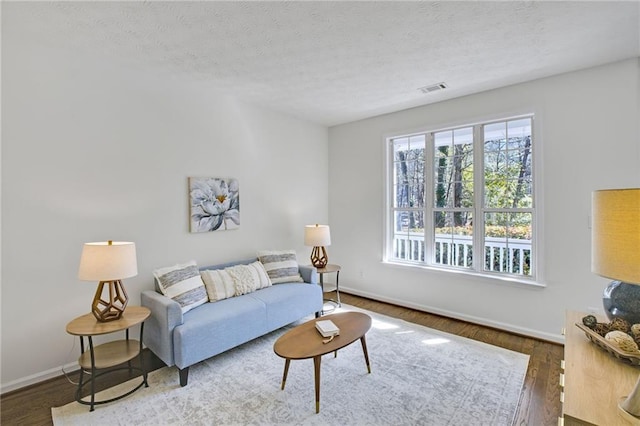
38	377
555	338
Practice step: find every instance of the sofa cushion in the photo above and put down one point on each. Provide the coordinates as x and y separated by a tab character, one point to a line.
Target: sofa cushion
281	266
183	284
216	327
288	302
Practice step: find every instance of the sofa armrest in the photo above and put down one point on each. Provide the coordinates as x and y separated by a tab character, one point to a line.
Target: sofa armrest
309	273
166	314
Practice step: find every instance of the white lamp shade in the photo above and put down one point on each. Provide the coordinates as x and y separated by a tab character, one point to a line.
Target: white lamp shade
615	234
108	261
317	236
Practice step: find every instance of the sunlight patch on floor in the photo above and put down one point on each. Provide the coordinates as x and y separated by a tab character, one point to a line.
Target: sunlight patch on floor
382	325
436	341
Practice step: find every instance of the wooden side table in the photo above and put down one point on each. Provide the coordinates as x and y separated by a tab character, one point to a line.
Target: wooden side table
330	269
108	355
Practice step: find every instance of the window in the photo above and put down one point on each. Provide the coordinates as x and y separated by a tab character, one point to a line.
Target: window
463	198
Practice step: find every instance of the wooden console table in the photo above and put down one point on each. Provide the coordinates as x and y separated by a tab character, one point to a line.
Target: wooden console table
594	380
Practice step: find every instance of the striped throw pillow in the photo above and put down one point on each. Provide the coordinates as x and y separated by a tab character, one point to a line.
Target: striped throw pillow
183	284
281	266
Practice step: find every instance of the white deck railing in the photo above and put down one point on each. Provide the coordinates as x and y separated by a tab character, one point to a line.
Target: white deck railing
500	255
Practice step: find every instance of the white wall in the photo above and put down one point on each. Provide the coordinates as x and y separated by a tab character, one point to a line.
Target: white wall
587	126
92	152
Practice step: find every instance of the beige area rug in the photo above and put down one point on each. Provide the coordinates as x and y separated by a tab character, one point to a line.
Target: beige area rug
419	376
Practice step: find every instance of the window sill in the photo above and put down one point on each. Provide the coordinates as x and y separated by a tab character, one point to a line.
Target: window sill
494	278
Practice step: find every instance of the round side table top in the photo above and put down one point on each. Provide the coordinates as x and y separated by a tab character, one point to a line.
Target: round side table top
88	325
304	341
328	269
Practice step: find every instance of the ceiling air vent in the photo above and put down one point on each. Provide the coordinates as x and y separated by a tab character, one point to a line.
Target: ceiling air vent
433	88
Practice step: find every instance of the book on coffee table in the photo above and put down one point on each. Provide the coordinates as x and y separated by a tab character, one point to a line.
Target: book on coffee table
327	328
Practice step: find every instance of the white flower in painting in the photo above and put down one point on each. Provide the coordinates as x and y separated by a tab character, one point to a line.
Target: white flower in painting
214	203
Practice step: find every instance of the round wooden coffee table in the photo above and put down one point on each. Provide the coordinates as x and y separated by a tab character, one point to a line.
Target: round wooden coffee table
304	341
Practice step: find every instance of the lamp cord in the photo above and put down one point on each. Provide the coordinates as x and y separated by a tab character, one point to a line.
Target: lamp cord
66	374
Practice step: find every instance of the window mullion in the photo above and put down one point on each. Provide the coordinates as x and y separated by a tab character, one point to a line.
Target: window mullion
429	237
478	199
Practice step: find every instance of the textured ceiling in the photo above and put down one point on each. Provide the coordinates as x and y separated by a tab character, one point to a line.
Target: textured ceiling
335	62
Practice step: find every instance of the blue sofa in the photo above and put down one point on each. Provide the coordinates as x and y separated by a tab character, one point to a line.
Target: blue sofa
212	328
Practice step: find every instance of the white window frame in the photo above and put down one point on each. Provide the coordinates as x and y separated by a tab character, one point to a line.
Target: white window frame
477	268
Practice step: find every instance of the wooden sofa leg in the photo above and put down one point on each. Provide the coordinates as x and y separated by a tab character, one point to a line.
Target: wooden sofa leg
184	376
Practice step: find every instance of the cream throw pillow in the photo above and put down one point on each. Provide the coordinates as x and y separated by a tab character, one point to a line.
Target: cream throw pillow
249	278
234	280
219	284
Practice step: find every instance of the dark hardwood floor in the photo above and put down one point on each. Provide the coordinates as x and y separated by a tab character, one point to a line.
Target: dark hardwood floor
539	401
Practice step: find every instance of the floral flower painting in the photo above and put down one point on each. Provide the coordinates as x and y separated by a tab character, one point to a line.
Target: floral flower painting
215	204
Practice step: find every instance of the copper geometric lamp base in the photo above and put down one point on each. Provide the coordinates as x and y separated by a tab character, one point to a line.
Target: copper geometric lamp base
112	309
319	257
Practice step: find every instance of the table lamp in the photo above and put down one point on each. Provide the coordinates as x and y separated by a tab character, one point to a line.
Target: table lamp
615	254
318	236
108	262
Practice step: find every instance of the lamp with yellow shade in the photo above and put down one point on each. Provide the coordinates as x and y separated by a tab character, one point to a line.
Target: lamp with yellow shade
108	262
616	255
